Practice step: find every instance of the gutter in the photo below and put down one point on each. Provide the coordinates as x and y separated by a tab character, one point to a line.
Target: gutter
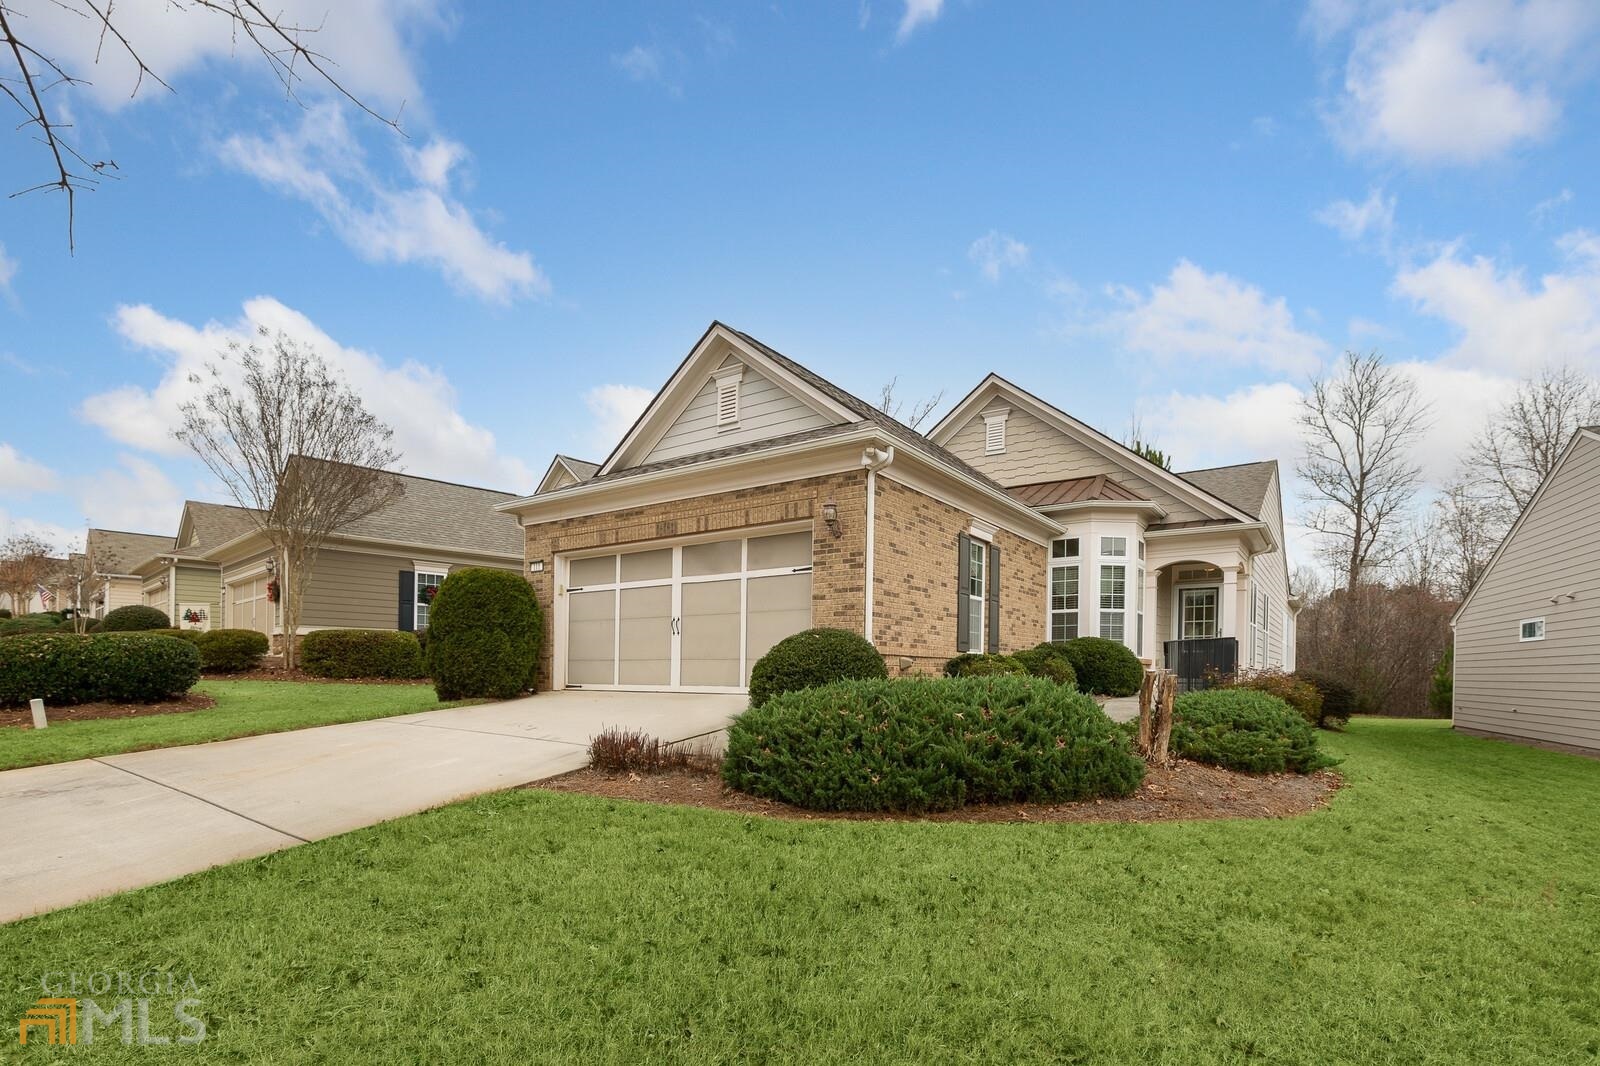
873	460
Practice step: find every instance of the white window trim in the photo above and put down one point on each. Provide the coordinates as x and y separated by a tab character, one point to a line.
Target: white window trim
1103	612
978	637
994	431
728	387
1527	622
416	591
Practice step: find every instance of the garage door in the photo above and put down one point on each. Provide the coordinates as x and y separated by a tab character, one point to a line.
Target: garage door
694	616
248	606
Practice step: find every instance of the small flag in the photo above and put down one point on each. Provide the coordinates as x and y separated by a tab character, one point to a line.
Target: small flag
46	596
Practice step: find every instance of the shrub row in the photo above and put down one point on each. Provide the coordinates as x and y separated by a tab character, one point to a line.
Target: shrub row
1046	660
929	744
134	618
1245	729
62	668
344	653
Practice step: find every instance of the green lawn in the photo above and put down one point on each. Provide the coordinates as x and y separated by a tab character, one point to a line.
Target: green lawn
244	708
1444	909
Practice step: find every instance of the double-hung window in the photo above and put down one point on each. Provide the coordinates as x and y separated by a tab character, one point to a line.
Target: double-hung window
427	586
1064	589
1113	588
977	591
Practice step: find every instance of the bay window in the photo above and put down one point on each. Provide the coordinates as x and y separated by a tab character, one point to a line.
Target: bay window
1064	589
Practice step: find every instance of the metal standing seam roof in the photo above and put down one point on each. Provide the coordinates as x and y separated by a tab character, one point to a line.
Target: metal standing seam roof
1074	490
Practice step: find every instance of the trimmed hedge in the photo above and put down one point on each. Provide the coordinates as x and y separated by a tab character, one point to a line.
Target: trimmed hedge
230	651
344	653
1104	667
62	668
984	664
1049	660
1242	729
134	618
29	623
1338	698
484	635
814	657
929	744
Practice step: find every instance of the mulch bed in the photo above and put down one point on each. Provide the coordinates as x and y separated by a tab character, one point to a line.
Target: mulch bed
298	677
1183	791
83	712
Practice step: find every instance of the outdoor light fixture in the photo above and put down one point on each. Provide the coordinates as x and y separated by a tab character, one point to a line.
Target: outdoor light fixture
830	518
272	566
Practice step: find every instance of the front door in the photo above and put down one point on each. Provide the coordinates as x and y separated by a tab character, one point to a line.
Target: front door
1197	613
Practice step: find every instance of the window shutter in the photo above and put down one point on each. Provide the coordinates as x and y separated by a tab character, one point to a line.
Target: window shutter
994	598
408	601
963	579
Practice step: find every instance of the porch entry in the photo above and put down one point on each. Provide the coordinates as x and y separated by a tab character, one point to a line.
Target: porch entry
692	616
1197	613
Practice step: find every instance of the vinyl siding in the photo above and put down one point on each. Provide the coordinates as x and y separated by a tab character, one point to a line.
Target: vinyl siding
766	410
1039	452
1546	690
123	592
355	590
1271	573
198	585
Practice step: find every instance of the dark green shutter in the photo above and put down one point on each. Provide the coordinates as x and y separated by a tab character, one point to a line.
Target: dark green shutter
994	597
408	601
963	582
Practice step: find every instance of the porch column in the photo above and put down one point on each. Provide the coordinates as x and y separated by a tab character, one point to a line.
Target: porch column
1152	646
1229	607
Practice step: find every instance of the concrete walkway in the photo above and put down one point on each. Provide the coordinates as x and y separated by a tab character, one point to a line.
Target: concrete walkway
84	829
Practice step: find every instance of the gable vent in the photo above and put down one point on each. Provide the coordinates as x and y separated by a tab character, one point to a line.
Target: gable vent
728	397
994	432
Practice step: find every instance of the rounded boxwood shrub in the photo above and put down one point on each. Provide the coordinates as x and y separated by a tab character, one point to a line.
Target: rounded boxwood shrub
485	632
1243	729
1338	698
983	664
377	653
1048	660
929	744
230	651
133	618
65	668
1104	667
814	657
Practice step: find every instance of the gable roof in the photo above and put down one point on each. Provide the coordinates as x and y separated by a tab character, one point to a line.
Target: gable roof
1245	485
1074	490
442	514
579	470
1113	450
1584	432
114	551
213	524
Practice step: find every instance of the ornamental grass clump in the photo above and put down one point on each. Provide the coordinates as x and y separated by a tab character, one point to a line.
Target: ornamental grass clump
929	744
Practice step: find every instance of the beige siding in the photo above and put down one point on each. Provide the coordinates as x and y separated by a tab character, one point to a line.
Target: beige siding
766	410
123	592
1036	452
1271	573
1546	690
355	590
198	585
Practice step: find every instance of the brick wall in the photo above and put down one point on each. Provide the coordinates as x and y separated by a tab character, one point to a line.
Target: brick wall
839	563
914	603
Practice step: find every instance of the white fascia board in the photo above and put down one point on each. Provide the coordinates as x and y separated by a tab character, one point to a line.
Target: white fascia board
1147	506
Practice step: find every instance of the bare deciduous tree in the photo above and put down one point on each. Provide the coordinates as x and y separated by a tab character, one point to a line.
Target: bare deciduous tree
1466	530
889	405
26	564
28	74
296	447
1526	436
1360	426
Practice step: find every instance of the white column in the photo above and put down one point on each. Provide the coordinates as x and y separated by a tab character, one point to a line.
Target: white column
1152	646
1230	601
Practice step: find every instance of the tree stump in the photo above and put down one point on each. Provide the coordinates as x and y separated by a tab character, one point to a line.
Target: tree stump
1147	691
1162	726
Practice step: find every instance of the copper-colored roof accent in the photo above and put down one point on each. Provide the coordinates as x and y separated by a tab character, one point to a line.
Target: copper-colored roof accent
1074	490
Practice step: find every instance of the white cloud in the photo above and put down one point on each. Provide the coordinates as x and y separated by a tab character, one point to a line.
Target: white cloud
641	63
1502	321
917	13
1544	207
367	43
8	270
1460	82
60	538
135	495
417	401
21	476
996	252
323	164
1372	217
1260	420
615	408
1214	316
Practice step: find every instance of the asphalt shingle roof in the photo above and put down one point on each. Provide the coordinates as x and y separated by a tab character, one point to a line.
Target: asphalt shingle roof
216	523
113	551
1244	485
445	515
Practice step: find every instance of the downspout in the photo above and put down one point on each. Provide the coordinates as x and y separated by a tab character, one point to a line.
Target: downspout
874	461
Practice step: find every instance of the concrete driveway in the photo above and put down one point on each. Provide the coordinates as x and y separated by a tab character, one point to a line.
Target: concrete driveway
84	829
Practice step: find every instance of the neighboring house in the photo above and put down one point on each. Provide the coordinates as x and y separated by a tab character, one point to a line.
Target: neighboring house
565	470
754	499
1527	637
181	580
374	573
54	593
113	558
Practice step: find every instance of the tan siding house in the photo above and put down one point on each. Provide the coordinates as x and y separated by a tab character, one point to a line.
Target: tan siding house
1527	638
114	557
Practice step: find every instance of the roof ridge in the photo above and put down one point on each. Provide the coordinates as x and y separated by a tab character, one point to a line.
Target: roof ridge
129	532
414	477
1223	466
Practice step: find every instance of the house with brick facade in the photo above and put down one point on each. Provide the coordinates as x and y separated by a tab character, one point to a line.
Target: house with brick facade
754	499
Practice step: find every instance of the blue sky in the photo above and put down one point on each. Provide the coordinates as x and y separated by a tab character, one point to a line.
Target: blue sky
1182	211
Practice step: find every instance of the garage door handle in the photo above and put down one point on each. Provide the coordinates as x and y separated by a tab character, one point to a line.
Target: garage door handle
801	570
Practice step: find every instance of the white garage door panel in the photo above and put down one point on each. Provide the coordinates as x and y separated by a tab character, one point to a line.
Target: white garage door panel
691	616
